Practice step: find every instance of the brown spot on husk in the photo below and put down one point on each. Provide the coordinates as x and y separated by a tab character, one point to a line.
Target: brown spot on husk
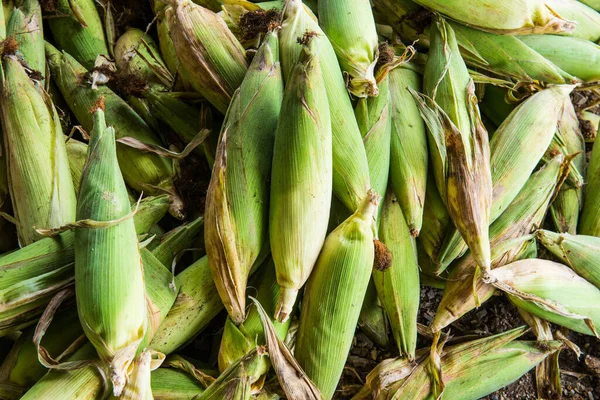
98	104
254	23
383	257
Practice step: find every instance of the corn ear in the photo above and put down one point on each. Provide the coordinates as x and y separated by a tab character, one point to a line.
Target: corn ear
78	30
409	158
507	56
172	384
237	201
110	300
196	304
477	369
350	27
561	50
436	221
299	208
79	384
534	284
32	136
333	296
589	220
373	116
509	236
145	172
398	286
25	25
21	366
587	20
235	383
516	150
577	251
350	164
211	54
517	17
372	320
458	141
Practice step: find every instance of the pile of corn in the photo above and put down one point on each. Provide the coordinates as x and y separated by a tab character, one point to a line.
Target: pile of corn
355	149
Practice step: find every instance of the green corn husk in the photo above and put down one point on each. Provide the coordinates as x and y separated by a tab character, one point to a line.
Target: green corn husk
350	27
301	179
235	383
569	200
475	369
509	243
8	232
373	116
587	20
595	4
458	141
579	252
79	384
31	276
33	136
25	25
514	155
5	14
372	320
110	300
436	221
237	201
398	286
561	50
394	13
350	164
238	341
514	17
23	368
589	220
507	56
145	172
150	210
86	383
213	57
185	236
409	153
496	105
172	384
78	30
551	291
197	303
333	298
76	152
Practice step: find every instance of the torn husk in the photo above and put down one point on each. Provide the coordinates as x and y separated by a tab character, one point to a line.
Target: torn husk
510	238
237	201
552	292
459	142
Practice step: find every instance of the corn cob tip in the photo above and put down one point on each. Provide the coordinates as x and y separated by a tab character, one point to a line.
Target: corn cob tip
287	299
255	23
